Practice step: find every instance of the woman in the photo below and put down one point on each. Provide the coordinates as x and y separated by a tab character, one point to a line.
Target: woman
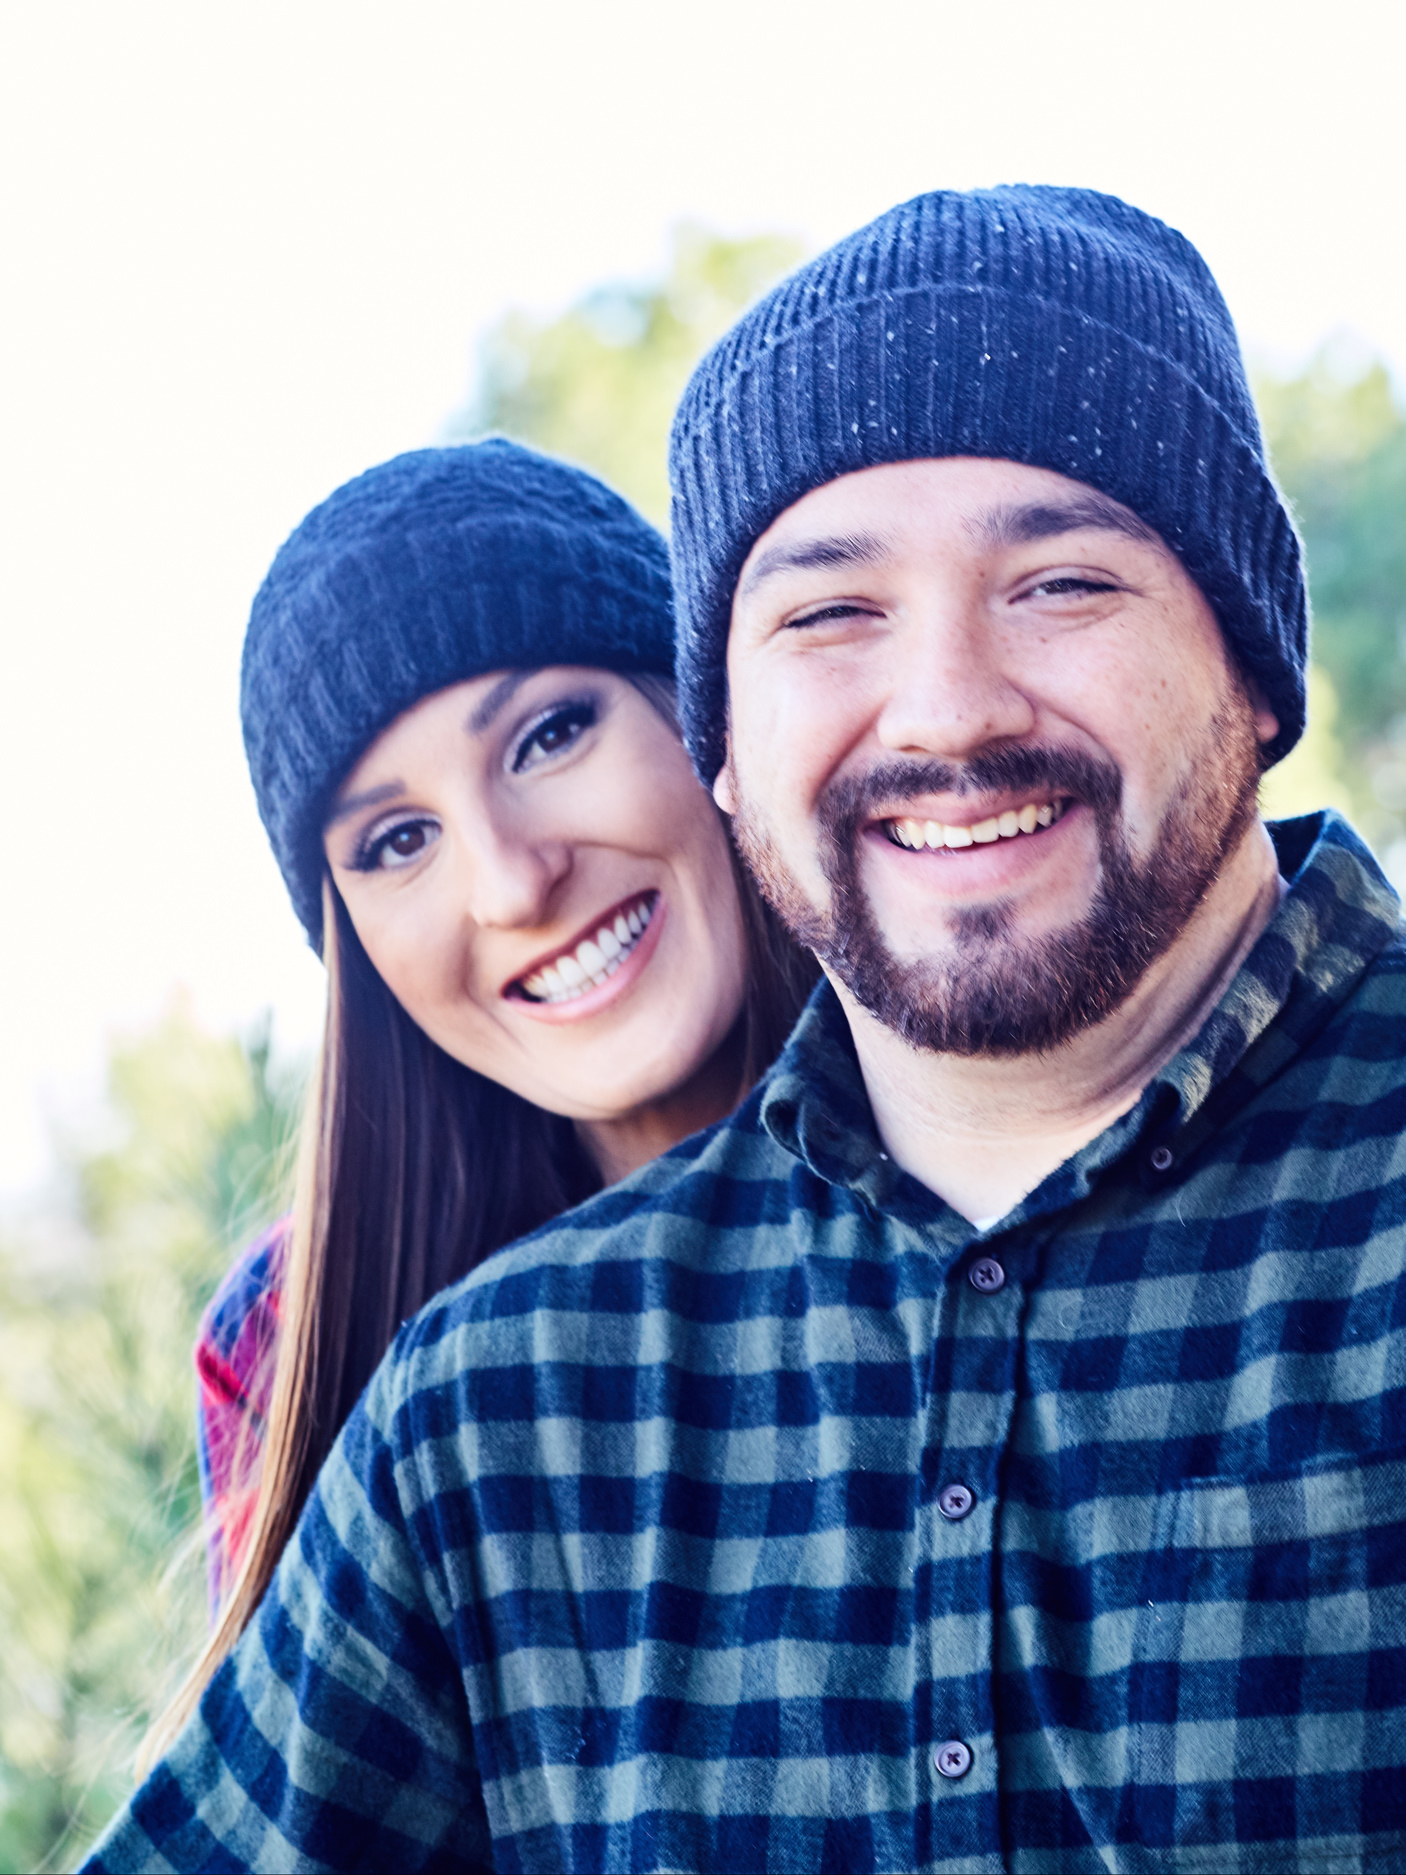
545	964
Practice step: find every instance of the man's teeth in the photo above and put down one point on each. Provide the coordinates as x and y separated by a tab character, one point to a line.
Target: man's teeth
594	958
916	834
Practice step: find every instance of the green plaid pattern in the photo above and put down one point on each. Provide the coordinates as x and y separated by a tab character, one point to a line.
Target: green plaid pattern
761	1515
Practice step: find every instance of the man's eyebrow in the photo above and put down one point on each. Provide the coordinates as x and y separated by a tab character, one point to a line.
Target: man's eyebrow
498	697
1020	524
801	555
354	803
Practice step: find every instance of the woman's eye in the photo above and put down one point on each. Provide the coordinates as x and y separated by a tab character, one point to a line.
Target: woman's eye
397	846
552	733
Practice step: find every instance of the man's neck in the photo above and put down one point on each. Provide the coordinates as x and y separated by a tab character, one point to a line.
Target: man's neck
981	1131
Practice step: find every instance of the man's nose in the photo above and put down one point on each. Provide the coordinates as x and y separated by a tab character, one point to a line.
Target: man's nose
950	690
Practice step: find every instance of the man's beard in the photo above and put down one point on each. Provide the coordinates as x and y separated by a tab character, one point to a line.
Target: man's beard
996	993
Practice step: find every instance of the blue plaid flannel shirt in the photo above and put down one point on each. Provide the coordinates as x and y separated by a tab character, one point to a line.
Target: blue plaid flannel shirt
762	1515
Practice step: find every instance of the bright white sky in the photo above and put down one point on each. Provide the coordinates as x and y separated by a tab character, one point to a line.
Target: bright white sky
248	249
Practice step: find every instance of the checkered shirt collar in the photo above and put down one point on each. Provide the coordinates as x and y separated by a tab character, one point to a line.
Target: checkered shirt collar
1338	913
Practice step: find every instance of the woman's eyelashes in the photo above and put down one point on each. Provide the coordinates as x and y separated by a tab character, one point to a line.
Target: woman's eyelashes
397	840
552	732
399	844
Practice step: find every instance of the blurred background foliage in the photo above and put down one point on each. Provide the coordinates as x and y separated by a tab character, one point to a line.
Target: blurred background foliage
1337	436
102	1592
599	384
101	1577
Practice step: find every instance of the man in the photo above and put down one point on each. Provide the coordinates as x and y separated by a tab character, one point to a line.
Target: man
987	1450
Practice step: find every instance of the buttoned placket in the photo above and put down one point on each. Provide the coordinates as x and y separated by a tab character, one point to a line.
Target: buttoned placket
969	1412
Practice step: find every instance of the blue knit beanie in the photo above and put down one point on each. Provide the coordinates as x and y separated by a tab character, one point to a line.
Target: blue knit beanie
1055	327
437	566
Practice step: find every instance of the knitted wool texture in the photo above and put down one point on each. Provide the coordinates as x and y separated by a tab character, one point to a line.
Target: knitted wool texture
437	566
1056	327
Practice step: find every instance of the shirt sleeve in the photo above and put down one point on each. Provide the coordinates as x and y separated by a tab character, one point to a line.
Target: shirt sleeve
235	1351
337	1735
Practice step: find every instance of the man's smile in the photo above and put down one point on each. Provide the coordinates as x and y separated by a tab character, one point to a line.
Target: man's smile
1009	824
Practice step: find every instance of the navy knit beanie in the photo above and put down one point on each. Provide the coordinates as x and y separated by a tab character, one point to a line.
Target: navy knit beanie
437	566
1055	327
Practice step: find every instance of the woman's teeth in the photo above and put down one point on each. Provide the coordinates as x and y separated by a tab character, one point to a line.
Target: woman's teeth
916	834
594	958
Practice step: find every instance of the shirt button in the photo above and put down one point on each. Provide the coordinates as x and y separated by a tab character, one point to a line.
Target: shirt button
986	1275
1160	1158
953	1758
955	1502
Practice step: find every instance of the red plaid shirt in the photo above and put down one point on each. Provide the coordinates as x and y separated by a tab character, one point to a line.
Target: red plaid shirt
235	1351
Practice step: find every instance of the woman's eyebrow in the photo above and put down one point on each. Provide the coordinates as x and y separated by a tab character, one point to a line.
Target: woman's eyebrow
498	697
801	555
372	797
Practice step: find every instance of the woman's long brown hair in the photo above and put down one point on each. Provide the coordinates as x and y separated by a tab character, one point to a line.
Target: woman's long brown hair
412	1169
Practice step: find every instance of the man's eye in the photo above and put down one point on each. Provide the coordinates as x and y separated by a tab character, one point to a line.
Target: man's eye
552	733
1056	588
397	846
832	614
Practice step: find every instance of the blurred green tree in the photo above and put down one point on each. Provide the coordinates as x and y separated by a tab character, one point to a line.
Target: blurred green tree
599	384
1337	437
102	1593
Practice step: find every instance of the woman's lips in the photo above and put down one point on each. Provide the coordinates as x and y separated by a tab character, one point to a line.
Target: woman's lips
586	965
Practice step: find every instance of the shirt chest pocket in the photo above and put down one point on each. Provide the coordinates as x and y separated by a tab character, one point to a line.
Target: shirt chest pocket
1267	1697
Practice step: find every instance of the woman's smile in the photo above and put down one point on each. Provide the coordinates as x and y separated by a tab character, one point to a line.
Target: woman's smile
597	968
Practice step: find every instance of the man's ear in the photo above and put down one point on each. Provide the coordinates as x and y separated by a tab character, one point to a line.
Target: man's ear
724	789
1266	722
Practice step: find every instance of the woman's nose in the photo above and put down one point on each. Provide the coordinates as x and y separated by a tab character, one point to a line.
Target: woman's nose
948	689
507	878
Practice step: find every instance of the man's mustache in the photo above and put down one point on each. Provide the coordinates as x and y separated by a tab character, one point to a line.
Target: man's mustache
849	802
